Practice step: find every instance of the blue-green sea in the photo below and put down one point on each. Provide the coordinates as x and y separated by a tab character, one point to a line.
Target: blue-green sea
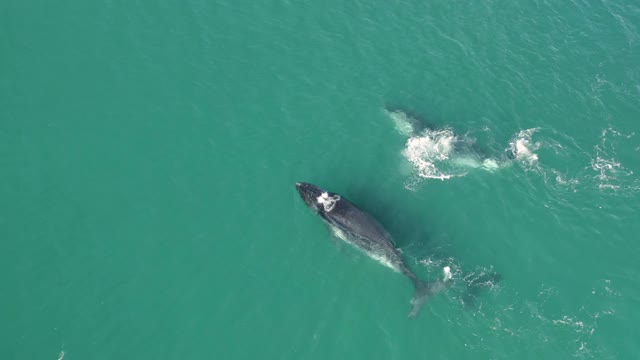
149	152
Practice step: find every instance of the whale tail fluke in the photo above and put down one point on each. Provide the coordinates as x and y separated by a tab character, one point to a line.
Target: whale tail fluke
425	290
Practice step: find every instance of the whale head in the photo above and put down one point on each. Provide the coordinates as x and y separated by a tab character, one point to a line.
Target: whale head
317	199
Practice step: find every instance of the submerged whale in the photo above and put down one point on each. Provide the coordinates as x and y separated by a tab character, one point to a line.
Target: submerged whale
431	147
361	230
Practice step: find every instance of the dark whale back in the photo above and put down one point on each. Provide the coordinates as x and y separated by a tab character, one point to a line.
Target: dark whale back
357	223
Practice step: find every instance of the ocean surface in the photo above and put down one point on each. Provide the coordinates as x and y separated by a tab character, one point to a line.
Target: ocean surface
149	151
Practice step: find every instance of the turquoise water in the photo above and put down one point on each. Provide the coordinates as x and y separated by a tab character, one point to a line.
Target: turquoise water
149	152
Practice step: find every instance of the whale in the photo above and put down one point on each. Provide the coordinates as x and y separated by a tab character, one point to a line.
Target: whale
439	143
359	229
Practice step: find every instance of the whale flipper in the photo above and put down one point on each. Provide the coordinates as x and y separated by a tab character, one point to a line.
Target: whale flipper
406	119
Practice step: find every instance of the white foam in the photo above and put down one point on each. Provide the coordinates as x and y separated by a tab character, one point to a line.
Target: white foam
610	173
428	151
523	147
433	154
447	273
606	170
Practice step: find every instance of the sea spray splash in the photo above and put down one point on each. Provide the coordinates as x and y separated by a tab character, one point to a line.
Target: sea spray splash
523	147
440	153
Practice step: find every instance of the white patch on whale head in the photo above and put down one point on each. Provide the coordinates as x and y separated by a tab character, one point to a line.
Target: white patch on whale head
328	202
